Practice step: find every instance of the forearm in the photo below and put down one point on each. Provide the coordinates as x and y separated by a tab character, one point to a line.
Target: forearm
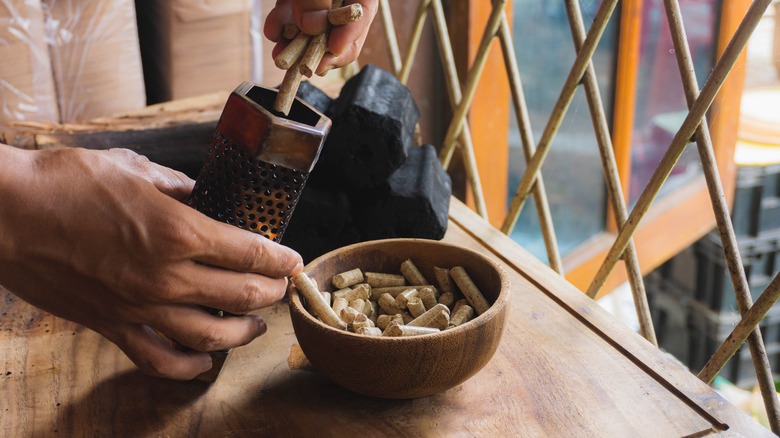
15	167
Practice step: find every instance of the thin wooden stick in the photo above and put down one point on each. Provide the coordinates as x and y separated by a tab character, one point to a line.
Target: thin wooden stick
454	93
741	331
414	40
390	37
527	140
697	112
584	56
614	191
456	124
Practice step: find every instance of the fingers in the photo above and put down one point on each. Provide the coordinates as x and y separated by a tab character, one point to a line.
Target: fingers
232	248
311	16
168	181
345	42
154	357
231	291
196	329
280	15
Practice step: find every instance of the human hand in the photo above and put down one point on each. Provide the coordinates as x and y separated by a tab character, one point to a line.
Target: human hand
311	16
102	238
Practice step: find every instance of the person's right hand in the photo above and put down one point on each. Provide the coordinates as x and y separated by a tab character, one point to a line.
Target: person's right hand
311	16
103	238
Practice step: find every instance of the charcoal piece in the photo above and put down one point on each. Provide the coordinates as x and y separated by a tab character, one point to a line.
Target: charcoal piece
314	97
374	121
321	223
413	202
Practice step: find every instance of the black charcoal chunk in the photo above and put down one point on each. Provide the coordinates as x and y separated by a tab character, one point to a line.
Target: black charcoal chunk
374	119
321	222
314	97
413	202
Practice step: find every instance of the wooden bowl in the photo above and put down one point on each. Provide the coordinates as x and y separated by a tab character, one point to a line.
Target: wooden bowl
403	367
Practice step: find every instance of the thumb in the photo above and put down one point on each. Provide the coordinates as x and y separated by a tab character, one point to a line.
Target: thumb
311	16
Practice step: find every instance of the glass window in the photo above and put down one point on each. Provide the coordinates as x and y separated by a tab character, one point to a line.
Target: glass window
572	170
660	103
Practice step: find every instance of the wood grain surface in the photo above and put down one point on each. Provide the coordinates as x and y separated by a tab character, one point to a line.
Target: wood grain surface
564	368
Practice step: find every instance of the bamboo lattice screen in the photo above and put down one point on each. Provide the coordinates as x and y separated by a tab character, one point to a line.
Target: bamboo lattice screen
582	73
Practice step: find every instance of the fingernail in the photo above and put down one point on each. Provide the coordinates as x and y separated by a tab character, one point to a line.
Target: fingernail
207	363
298	268
261	327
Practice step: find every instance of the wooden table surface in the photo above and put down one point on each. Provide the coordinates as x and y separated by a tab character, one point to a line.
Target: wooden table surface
564	368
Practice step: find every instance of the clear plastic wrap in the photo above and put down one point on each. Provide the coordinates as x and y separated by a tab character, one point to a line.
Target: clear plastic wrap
26	85
95	57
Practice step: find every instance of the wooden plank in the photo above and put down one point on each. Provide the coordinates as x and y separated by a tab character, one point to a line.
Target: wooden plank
564	368
176	134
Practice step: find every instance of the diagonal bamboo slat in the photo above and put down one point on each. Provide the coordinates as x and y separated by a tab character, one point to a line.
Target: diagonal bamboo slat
723	219
611	176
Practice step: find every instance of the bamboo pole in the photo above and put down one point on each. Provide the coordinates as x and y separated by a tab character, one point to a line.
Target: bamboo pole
392	40
414	41
527	140
611	176
452	83
725	227
456	125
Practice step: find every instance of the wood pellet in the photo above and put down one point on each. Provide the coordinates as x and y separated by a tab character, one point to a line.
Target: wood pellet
396	304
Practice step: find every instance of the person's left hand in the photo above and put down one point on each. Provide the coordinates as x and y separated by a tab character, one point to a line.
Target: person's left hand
311	16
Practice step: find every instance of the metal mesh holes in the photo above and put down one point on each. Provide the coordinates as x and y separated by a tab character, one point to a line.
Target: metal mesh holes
235	188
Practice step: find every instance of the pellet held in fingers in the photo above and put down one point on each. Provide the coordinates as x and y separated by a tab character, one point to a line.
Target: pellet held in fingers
347	279
470	290
313	55
316	302
396	330
292	52
345	14
380	279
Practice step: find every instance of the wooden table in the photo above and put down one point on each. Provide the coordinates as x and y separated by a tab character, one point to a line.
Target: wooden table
564	368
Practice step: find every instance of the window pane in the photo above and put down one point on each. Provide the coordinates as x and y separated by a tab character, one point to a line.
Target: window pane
660	103
572	170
